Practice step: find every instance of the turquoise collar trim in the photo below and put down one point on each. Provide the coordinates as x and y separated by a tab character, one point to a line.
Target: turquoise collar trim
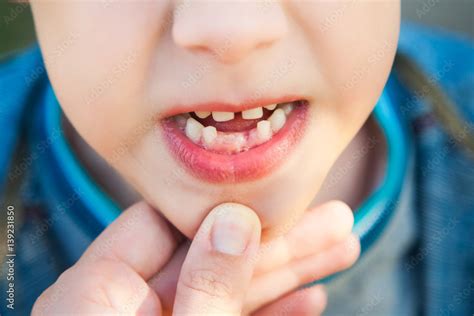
374	214
102	208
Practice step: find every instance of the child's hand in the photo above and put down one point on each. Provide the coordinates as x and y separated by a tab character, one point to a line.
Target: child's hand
136	267
319	245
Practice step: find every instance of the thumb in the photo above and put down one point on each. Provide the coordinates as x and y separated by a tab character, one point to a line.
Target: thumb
219	265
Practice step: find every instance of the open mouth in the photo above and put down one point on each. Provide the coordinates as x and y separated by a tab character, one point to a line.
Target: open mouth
225	146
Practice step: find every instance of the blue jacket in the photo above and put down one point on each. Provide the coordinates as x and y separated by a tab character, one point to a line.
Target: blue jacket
418	247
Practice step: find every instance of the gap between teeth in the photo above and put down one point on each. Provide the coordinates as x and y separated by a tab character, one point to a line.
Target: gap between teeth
250	114
209	137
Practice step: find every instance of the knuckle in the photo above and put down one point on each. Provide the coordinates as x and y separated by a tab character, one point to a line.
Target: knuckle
46	302
315	300
67	275
39	305
342	220
343	210
207	282
351	249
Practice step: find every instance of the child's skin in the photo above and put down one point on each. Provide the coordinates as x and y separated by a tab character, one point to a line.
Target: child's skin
340	55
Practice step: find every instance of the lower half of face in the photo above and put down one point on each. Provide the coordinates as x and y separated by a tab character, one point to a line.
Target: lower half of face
199	103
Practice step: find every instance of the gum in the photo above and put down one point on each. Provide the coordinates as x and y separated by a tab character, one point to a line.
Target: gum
233	142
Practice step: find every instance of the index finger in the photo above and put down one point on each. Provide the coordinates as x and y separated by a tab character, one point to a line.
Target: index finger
139	237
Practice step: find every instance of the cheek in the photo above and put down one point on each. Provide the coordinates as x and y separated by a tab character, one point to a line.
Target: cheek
355	43
97	62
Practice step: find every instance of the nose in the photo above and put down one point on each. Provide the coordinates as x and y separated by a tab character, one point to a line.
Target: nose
228	30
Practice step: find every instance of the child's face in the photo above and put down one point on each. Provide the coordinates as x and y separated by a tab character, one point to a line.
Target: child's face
120	68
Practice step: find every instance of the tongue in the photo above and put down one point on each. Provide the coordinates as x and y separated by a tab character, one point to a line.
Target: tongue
238	124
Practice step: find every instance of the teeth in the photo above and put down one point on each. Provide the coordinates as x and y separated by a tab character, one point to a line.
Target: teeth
286	107
270	107
252	113
202	114
193	129
209	134
222	116
264	130
277	120
210	138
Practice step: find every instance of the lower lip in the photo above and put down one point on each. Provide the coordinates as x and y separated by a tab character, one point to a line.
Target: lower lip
249	165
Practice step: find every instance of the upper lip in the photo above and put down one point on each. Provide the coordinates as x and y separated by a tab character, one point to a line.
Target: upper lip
230	107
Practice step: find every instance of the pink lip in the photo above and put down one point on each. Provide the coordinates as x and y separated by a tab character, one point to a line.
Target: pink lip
249	165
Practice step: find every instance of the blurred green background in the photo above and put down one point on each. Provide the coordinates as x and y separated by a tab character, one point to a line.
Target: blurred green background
16	26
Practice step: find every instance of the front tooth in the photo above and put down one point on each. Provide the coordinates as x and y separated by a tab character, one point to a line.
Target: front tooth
287	107
222	116
252	114
264	130
209	134
270	107
193	129
202	114
277	120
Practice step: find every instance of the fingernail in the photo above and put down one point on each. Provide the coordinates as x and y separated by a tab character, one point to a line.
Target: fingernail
232	230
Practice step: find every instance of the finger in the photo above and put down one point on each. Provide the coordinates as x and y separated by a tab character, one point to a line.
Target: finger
310	301
139	238
164	282
219	265
271	286
319	228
